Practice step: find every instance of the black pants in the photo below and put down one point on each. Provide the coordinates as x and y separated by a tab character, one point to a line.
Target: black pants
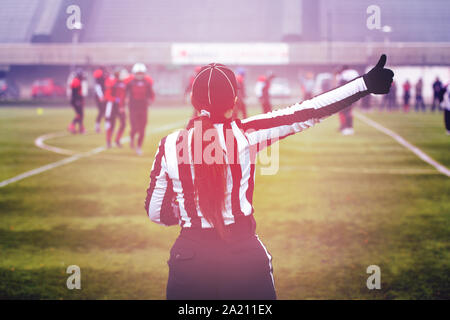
204	267
79	112
436	102
419	103
406	98
390	103
101	106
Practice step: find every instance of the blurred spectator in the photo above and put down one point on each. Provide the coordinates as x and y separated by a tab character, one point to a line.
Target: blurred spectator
419	97
437	94
406	95
8	89
77	101
100	76
46	88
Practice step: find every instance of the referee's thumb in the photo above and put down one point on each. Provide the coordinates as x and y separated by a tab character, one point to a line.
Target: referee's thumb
381	62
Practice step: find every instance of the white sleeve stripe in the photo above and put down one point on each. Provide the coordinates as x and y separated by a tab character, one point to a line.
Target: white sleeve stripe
170	149
300	116
339	94
98	91
157	197
318	102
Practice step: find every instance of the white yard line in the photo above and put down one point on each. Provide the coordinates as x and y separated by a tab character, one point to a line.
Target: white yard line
422	155
40	170
377	171
40	143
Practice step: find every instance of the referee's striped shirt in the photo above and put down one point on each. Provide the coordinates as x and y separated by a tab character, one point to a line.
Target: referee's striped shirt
172	179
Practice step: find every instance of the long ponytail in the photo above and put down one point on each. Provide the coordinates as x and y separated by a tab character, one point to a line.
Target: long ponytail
213	93
210	178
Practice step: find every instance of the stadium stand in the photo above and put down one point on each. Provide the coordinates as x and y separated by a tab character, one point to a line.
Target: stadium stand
426	21
169	20
50	10
204	21
17	20
172	21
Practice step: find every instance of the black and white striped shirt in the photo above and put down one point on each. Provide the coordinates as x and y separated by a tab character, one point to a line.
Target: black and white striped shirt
172	179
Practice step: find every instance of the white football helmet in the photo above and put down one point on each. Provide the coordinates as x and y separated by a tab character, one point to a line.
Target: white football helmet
139	68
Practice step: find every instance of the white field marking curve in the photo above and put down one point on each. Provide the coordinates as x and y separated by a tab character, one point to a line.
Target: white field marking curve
40	143
439	167
72	158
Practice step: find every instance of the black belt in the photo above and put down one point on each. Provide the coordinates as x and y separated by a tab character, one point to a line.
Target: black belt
243	227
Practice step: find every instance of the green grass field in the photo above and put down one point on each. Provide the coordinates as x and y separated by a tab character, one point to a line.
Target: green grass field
337	205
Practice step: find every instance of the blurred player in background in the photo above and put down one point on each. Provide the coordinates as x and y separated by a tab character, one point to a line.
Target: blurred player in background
437	94
77	91
141	94
392	95
406	95
307	86
240	109
258	87
390	99
419	97
265	92
345	116
100	76
115	107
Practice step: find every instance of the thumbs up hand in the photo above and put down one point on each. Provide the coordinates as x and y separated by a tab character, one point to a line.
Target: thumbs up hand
379	79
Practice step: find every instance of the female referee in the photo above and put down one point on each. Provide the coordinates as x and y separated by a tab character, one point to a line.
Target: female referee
209	191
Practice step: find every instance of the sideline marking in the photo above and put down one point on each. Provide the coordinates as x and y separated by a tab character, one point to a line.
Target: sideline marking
72	158
39	142
439	167
391	171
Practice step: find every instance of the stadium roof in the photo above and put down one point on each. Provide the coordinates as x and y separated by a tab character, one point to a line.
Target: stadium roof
224	21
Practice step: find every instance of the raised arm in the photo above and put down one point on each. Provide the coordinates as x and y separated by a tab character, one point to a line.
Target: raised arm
278	124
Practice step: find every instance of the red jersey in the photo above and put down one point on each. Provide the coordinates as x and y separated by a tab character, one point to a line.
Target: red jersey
406	86
140	90
116	91
75	87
